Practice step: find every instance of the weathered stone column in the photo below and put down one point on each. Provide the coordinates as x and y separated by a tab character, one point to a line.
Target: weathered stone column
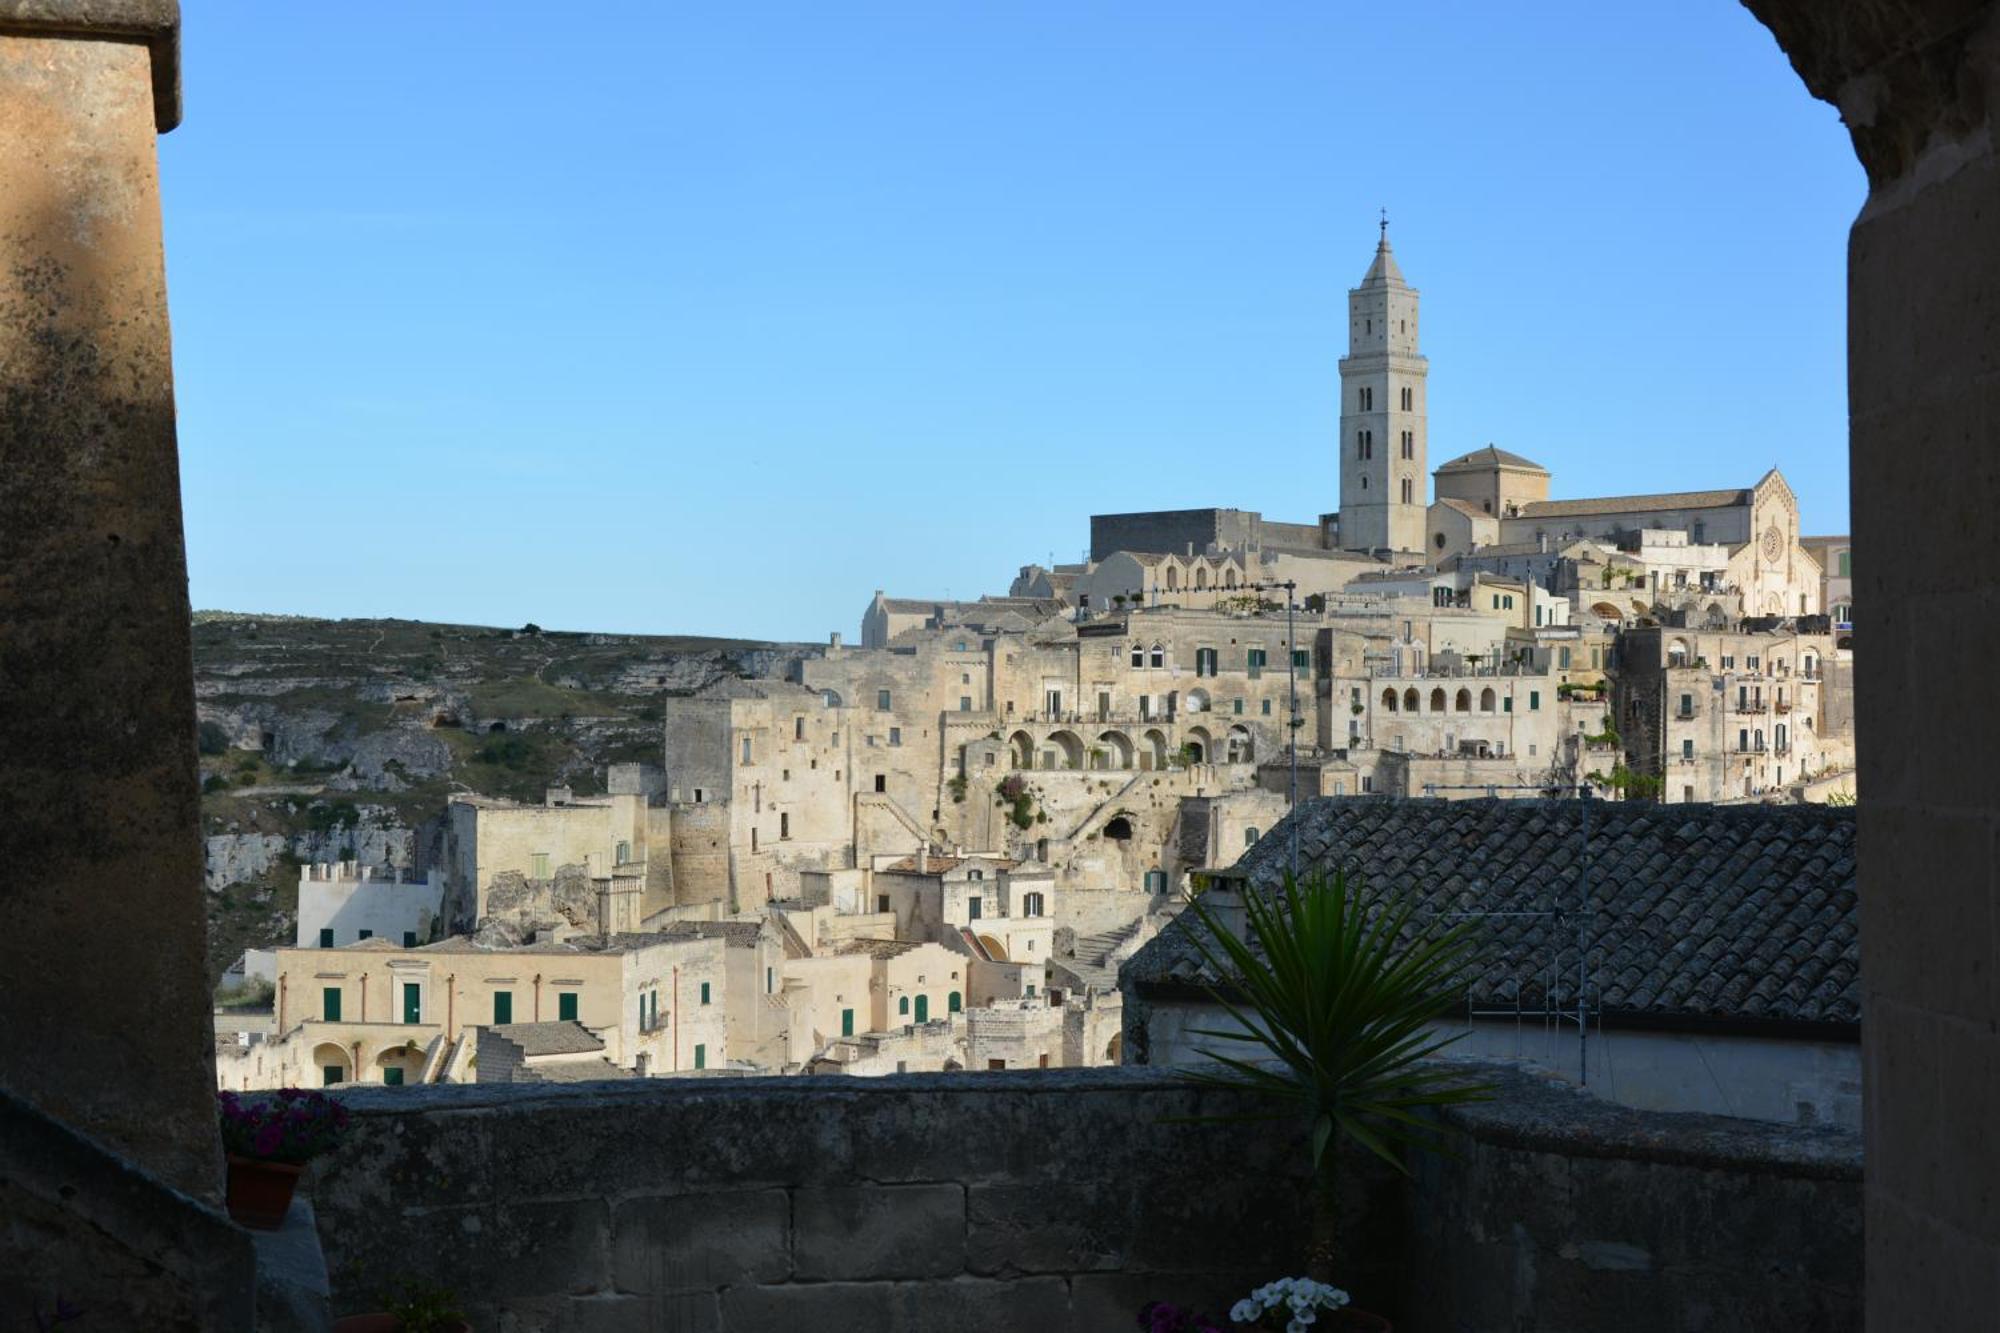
103	990
1918	84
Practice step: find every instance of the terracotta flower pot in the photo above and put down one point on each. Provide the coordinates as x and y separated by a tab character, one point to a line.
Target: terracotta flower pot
260	1192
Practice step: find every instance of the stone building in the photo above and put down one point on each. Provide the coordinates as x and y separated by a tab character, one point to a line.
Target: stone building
377	1012
1383	438
485	837
1720	715
1835	556
345	903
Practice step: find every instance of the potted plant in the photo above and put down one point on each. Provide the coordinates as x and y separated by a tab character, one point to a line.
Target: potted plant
1335	989
415	1308
268	1141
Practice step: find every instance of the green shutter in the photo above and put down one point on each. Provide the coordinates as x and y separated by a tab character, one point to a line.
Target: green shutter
847	1022
923	1008
331	1074
503	1006
951	1001
704	992
566	1006
329	1004
413	1002
903	1005
700	1056
393	1076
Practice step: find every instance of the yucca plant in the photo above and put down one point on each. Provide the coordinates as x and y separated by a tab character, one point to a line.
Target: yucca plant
1339	988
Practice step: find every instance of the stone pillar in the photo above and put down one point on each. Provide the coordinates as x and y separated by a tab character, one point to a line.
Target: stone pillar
1918	84
104	1015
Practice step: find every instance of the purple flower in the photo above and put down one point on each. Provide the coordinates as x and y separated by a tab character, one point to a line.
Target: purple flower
269	1139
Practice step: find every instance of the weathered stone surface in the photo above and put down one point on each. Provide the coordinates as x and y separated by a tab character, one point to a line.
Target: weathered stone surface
1103	1184
855	1305
701	1242
879	1231
99	821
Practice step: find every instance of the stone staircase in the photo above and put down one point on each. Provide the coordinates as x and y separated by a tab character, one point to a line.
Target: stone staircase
1095	962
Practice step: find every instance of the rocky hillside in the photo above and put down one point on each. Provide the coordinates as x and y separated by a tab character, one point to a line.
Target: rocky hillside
326	740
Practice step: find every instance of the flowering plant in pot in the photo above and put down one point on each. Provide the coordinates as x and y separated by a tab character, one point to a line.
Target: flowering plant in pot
1333	991
269	1140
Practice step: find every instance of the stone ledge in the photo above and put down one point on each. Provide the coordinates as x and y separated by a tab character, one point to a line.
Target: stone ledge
1543	1114
157	23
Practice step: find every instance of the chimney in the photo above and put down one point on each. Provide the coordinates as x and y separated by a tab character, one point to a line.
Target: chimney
833	644
923	858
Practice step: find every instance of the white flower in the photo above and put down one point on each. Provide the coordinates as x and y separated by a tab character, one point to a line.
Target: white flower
1305	1316
1296	1327
1245	1312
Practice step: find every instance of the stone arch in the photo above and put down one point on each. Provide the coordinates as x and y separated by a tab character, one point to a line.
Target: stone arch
1679	654
1114	1050
1069	748
1201	746
407	1058
1229	578
1197	701
1242	748
1437	699
1488	701
1021	750
1606	611
994	947
1389	699
1201	578
1463	703
1117	747
331	1055
1173	579
831	698
1410	703
1118	828
1154	755
495	728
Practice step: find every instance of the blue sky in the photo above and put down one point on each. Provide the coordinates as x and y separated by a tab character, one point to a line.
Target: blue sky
713	320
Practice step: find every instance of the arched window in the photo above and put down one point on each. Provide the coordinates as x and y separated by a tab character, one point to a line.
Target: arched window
1409	400
1486	700
1406	490
1200	577
1159	656
1249	835
1173	577
1463	703
1410	704
903	1005
1437	701
952	1004
1138	654
1228	578
1389	700
1364	483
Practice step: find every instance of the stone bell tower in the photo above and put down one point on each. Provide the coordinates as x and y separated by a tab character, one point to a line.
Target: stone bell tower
1383	477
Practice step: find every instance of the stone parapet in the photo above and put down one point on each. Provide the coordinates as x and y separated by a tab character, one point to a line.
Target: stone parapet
1063	1200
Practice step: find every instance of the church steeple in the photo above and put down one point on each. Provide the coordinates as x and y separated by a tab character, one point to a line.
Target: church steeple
1383	479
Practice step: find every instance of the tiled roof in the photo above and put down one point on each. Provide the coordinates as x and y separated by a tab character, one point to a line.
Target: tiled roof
938	865
1633	504
548	1038
1479	460
741	934
1465	507
583	1071
1716	913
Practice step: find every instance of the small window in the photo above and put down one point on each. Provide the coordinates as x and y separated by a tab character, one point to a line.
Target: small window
903	1005
1687	749
882	782
704	992
700	1055
895	735
326	937
881	902
972	908
847	1022
1250	836
882	700
566	1006
784	825
332	1074
409	939
798	728
541	859
503	1006
746	749
1159	656
1237	707
965	703
1534	701
952	1003
329	1004
1265	707
1367	783
1138	655
366	935
770	981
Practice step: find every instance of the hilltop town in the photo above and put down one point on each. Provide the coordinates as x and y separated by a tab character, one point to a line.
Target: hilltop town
935	846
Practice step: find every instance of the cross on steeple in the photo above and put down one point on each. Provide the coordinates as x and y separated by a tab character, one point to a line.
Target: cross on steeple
1385	226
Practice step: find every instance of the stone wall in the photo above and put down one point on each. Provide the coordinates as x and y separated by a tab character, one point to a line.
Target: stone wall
1064	1200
